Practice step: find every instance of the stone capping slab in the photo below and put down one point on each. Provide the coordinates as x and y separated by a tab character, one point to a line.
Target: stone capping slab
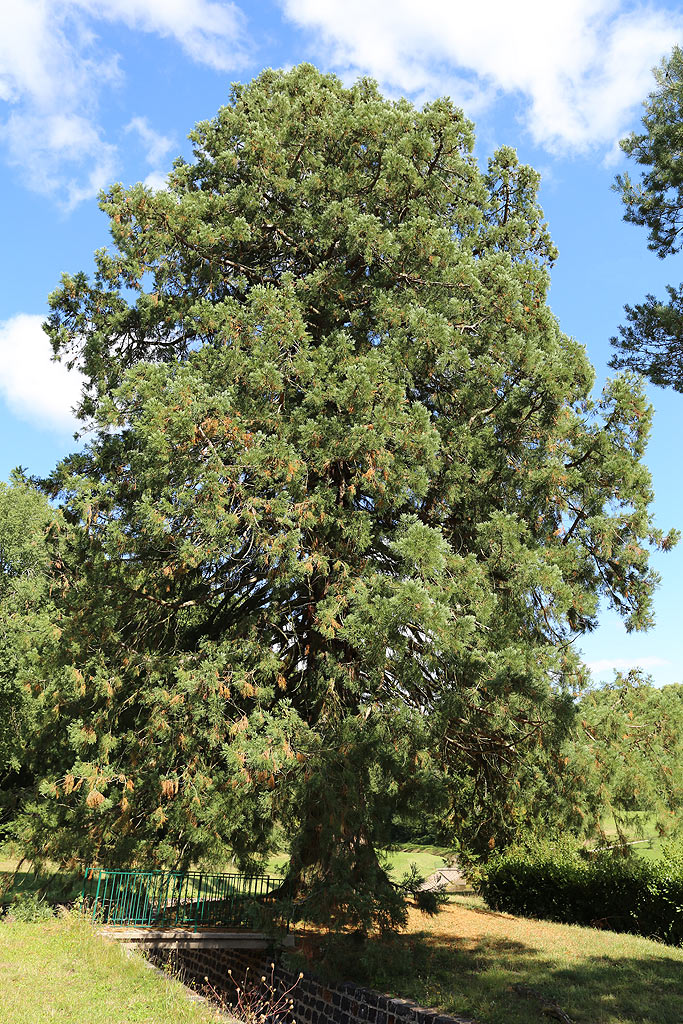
447	879
176	938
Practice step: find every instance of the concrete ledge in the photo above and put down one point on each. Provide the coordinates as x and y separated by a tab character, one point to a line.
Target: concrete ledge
185	938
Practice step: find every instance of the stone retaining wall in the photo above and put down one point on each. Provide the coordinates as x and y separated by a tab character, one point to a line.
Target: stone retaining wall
315	1002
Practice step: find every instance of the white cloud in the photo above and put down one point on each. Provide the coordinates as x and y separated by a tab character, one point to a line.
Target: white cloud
580	66
54	66
608	665
156	145
210	31
52	149
155	180
33	386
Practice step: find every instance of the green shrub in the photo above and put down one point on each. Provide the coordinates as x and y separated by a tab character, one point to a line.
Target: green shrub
672	855
622	894
29	907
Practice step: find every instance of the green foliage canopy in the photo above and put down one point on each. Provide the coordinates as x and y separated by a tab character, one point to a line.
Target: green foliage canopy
345	503
651	340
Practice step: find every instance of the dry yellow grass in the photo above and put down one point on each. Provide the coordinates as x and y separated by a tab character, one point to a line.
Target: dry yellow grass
595	976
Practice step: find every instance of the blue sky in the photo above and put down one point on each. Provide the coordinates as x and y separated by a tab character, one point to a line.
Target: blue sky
93	91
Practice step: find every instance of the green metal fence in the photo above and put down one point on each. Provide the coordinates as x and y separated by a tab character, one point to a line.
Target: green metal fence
174	899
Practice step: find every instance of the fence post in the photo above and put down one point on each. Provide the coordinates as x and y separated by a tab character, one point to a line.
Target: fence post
85	882
196	904
97	894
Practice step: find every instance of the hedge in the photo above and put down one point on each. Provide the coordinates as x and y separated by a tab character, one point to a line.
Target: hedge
622	894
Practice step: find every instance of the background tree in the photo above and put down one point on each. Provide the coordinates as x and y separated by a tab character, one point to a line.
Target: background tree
27	526
628	746
652	340
345	503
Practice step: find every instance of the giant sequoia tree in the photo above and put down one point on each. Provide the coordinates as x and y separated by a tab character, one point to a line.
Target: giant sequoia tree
345	503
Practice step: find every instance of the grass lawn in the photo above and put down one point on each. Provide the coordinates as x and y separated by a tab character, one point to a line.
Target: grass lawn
469	959
649	842
428	859
497	968
61	971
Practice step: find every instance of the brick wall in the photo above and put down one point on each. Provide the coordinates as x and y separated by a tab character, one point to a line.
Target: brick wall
315	1002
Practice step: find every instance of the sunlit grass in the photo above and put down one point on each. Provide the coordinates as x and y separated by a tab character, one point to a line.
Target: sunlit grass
17	876
62	971
646	840
468	960
427	859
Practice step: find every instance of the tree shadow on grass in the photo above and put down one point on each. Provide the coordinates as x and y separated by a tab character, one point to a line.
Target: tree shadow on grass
510	981
502	981
54	886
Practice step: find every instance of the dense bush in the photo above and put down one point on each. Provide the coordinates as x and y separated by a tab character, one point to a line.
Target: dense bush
622	894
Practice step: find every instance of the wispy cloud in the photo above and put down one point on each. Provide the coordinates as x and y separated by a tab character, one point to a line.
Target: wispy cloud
155	180
156	145
210	31
605	666
156	148
579	66
60	154
33	386
54	66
